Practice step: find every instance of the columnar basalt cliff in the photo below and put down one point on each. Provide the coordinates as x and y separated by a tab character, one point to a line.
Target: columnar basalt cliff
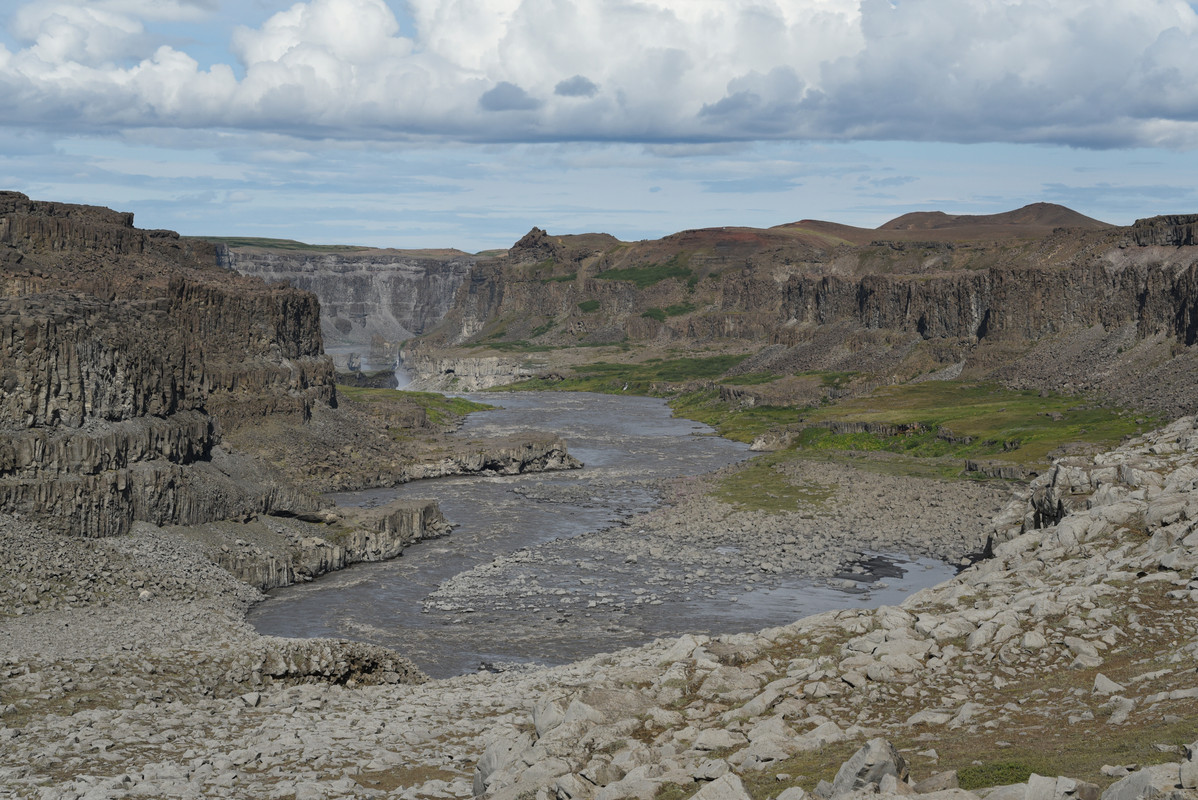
1040	297
125	355
371	299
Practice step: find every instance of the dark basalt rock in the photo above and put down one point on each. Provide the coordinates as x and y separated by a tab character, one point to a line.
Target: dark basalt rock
124	356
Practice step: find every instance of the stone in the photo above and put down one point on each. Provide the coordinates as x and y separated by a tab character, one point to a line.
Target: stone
937	782
728	787
793	793
1137	786
1104	685
867	767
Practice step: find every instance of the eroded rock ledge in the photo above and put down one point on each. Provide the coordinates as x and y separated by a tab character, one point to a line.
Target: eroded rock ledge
125	355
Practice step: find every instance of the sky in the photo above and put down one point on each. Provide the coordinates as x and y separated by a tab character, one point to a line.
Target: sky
464	123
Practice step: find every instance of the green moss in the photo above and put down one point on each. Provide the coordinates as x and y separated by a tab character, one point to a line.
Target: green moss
588	306
971	419
649	274
440	409
997	773
750	379
739	424
660	314
762	486
613	378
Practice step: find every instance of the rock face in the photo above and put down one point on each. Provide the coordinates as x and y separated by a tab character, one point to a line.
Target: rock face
348	536
124	356
980	299
467	374
369	298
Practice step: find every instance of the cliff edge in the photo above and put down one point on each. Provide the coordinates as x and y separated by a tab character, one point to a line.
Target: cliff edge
125	356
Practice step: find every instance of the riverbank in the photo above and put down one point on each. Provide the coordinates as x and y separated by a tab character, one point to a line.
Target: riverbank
1072	652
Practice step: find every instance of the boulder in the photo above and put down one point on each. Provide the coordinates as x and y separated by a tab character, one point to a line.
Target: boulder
868	766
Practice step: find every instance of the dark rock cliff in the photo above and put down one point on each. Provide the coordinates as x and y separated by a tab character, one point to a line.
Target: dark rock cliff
833	298
371	299
125	355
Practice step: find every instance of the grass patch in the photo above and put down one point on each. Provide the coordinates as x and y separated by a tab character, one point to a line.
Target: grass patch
750	379
762	486
649	274
569	276
997	773
742	425
588	306
968	419
440	410
610	378
517	346
660	314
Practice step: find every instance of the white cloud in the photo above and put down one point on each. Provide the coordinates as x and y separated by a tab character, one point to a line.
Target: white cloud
1092	73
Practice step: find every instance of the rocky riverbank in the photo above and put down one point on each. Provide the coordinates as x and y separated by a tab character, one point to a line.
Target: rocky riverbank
1070	653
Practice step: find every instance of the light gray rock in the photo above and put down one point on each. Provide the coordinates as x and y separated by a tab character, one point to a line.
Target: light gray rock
938	782
793	793
728	787
1144	784
1104	685
867	766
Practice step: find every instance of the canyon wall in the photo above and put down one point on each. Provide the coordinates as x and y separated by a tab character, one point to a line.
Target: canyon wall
125	355
371	299
897	307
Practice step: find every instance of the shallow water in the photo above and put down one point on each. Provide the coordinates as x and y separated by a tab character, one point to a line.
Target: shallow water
528	587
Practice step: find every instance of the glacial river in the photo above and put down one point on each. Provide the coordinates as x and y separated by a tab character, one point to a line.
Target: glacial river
516	583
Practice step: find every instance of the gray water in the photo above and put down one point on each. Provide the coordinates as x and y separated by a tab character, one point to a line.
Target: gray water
520	579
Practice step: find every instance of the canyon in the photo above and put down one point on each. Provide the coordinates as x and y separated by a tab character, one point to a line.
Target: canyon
170	428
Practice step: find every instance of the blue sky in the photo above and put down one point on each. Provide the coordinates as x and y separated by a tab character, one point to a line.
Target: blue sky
435	123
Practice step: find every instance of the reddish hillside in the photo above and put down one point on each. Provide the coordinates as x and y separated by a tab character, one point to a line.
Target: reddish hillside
1033	218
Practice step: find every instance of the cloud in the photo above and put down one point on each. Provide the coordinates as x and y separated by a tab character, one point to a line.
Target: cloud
508	97
1088	73
578	86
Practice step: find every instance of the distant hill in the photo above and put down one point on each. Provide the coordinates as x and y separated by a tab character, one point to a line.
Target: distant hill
1034	218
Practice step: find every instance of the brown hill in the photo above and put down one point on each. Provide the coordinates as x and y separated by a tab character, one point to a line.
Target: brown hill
1033	219
1030	222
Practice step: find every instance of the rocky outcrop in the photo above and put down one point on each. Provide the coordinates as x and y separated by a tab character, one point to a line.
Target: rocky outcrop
520	455
369	299
349	536
125	355
876	303
317	661
1175	230
465	373
1051	606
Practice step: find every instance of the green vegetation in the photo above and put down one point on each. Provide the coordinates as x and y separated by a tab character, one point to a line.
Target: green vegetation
569	276
660	314
541	329
763	486
750	379
588	306
277	244
998	773
738	424
439	408
968	419
946	421
517	346
610	378
649	274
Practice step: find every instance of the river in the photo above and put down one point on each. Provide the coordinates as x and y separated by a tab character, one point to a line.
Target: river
525	578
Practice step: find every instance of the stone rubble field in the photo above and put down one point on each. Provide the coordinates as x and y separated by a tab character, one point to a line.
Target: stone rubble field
1074	648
